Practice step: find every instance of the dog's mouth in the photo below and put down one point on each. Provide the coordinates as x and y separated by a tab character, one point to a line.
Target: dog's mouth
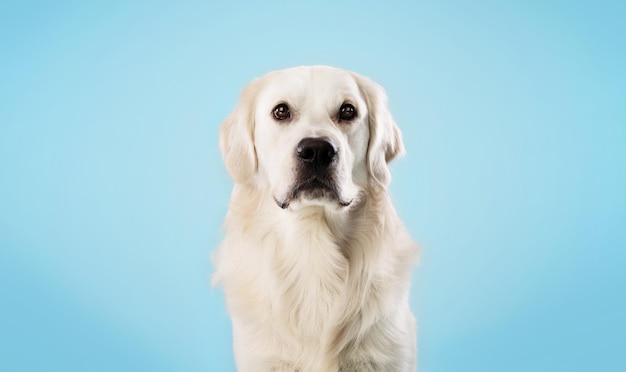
313	188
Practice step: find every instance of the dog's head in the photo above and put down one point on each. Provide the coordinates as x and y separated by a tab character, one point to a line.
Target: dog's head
311	136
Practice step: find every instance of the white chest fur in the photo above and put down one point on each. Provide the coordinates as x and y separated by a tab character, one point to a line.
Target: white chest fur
303	291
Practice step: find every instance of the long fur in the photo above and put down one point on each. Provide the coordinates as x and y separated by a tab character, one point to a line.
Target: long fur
317	290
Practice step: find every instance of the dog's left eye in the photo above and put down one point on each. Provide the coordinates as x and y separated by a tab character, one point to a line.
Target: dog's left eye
347	112
281	112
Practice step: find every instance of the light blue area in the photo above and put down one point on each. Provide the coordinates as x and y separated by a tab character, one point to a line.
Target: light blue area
112	190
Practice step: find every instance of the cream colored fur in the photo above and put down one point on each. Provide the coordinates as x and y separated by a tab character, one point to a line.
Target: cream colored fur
316	286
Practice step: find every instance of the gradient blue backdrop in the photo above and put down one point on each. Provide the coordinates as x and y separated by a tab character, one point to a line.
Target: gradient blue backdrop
112	190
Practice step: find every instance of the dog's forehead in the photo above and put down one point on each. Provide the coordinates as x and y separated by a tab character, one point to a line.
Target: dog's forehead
303	85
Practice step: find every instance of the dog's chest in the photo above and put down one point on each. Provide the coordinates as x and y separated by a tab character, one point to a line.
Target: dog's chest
309	279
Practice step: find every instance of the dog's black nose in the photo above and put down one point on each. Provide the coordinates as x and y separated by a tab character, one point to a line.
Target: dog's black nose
316	152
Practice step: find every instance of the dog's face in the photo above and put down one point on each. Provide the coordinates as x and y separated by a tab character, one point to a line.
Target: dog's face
311	136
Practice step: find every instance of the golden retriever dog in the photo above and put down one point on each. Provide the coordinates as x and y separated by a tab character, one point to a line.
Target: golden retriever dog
315	264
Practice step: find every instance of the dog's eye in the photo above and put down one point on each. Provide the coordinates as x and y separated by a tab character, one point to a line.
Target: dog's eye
281	112
347	112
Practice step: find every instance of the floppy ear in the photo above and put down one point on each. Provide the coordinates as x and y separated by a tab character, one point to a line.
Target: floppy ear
385	142
237	137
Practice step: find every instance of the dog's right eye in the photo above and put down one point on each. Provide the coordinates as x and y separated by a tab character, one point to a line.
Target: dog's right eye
281	112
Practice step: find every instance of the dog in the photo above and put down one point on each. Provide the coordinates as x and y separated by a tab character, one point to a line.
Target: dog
315	263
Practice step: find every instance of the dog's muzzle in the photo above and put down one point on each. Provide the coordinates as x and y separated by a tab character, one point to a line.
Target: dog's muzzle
317	157
315	175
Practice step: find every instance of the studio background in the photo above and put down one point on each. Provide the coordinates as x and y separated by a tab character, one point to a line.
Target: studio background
112	188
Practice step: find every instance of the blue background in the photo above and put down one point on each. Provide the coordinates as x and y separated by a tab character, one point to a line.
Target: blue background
112	189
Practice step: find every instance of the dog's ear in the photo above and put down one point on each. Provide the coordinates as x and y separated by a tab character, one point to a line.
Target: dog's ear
237	136
385	142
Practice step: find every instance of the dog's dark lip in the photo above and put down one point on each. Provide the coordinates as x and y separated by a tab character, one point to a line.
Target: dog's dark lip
283	204
311	185
345	203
